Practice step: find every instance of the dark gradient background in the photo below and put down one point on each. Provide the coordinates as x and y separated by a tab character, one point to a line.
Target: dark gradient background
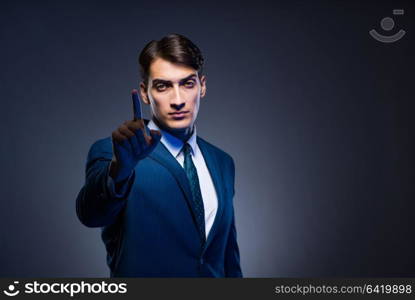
317	115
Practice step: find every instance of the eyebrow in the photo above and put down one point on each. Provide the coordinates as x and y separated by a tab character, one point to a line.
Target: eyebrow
158	80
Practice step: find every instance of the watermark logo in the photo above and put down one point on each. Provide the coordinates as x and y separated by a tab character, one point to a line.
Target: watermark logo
68	288
11	289
388	24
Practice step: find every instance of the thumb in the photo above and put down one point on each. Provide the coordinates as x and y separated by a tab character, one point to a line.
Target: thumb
155	136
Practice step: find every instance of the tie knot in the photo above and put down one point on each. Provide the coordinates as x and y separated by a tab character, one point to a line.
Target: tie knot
186	149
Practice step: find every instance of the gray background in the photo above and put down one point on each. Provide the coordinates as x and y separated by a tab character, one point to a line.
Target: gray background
316	113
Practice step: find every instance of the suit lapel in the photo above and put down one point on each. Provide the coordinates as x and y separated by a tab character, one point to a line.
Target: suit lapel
214	170
162	155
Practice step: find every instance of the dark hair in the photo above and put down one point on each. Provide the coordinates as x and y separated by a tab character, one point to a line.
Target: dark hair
174	48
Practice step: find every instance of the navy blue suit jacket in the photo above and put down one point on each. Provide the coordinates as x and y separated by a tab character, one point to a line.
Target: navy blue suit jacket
151	230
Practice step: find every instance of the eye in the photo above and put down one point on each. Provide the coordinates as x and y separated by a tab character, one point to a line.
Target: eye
189	84
160	87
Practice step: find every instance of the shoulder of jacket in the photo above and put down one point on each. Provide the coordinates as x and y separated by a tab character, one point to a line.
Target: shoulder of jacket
103	145
220	154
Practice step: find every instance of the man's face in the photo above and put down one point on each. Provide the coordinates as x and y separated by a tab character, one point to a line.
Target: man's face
174	92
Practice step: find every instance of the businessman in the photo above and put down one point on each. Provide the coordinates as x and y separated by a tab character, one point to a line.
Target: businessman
162	195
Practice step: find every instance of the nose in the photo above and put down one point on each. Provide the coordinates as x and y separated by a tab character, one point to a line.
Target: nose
178	101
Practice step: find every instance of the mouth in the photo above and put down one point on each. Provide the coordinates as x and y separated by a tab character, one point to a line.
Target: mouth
179	114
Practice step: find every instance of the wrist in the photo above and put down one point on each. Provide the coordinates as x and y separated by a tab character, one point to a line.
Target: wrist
119	174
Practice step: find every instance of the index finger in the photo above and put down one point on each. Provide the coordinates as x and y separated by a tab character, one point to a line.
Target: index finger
136	105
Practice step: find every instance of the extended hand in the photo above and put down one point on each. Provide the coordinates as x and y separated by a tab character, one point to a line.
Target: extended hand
131	143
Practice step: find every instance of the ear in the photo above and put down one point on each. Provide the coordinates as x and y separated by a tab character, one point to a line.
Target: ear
143	93
203	86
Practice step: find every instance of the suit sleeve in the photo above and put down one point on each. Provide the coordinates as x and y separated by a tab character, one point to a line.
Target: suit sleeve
99	201
232	259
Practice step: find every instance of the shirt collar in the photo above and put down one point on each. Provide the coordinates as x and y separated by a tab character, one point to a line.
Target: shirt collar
172	143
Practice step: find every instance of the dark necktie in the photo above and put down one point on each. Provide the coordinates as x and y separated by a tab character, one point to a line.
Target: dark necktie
191	173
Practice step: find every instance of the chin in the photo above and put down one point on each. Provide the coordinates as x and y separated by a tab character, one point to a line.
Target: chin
179	124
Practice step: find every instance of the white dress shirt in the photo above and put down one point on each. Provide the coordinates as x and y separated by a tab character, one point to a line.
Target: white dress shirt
207	188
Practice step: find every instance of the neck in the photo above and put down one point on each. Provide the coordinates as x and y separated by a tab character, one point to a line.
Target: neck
181	133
